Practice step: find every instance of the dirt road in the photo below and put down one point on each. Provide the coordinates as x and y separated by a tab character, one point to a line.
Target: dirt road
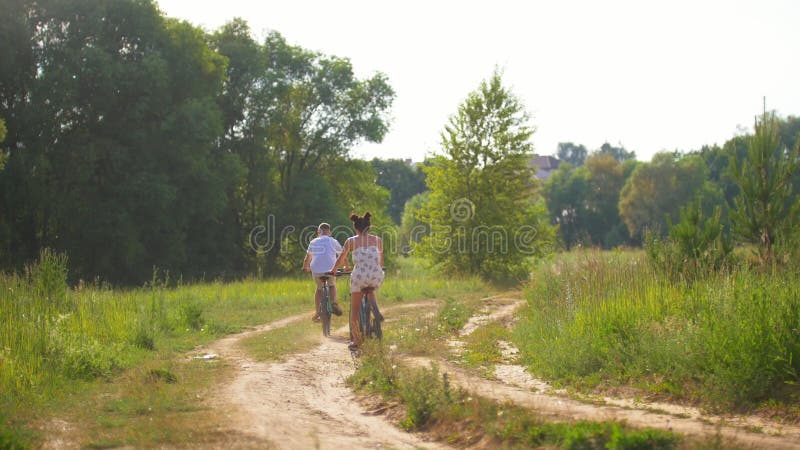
303	402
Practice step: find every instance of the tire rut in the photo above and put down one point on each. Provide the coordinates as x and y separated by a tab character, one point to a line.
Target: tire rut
303	402
516	385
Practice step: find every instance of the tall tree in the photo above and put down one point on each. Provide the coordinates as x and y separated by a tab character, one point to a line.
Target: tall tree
605	181
483	208
658	190
766	211
619	153
566	193
244	134
318	110
572	153
3	132
403	181
112	141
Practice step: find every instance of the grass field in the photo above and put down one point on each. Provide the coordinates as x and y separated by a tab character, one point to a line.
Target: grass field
120	352
114	361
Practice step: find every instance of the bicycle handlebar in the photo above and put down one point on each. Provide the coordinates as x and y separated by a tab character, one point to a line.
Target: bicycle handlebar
342	272
339	273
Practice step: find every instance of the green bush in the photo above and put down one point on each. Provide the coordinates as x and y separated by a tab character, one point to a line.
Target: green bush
695	246
424	392
453	315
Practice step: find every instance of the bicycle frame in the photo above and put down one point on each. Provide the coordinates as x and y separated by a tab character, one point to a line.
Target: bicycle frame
369	315
325	309
369	323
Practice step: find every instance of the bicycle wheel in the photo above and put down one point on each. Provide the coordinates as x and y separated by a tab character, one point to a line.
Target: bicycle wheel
369	319
363	318
376	322
325	311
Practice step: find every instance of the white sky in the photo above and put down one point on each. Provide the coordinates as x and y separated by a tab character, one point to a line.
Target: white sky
652	76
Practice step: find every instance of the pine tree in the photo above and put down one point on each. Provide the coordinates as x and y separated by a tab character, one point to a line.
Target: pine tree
765	211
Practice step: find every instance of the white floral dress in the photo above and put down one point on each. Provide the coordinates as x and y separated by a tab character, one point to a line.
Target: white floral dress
367	270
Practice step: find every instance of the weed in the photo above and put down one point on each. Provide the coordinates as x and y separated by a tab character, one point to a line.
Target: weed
193	316
14	438
453	315
161	375
483	346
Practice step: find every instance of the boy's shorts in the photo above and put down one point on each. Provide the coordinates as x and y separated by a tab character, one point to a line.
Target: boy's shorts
331	279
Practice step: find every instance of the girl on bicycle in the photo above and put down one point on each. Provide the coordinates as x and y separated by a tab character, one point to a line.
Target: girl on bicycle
367	271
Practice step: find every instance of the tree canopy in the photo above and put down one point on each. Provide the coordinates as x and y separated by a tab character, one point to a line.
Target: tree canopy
767	210
136	141
484	209
403	180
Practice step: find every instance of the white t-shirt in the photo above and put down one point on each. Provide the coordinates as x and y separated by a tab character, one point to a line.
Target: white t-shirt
323	250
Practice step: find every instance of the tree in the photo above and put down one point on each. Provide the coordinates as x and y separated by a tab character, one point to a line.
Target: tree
317	110
483	210
403	181
605	181
292	116
2	138
412	228
583	202
571	153
619	153
658	189
114	159
766	211
244	134
566	193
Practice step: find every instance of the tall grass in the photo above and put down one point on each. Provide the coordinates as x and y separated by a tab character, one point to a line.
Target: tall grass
57	340
51	333
53	336
730	340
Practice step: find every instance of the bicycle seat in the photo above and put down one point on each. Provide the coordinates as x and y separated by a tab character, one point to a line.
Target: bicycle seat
325	278
368	289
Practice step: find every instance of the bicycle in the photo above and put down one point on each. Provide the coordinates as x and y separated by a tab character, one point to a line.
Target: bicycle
325	309
369	317
327	306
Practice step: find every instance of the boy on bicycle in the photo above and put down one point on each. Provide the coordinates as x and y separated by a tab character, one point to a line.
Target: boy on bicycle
320	258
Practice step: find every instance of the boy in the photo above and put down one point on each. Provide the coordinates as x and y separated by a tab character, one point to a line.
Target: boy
320	258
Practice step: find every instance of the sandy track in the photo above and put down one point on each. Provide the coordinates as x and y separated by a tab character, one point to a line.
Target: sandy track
560	407
303	402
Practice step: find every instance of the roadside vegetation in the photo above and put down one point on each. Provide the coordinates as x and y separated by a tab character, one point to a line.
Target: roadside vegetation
432	404
727	340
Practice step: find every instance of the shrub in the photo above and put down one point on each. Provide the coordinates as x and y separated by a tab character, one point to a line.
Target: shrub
695	246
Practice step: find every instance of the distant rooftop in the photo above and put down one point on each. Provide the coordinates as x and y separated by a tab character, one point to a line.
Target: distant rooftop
544	165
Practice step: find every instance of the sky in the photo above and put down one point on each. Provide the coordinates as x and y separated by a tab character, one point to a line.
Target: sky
647	75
